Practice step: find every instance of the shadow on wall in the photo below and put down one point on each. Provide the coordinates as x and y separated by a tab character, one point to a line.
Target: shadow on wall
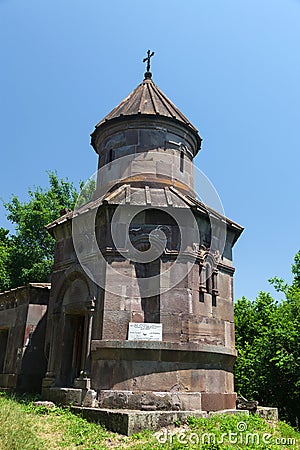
34	362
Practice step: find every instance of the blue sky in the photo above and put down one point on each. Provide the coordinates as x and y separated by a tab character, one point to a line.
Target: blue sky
231	66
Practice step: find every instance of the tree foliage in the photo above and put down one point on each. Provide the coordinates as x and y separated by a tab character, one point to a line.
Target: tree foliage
5	244
27	255
268	344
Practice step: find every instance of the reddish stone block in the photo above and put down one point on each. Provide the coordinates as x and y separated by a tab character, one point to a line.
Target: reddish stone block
217	401
203	329
115	324
176	301
223	310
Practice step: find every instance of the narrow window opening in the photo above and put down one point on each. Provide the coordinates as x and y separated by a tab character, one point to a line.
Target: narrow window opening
208	279
214	288
181	161
202	283
211	283
110	155
214	300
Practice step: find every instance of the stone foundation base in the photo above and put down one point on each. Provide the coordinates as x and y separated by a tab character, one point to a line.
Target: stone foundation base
128	412
143	401
166	401
130	422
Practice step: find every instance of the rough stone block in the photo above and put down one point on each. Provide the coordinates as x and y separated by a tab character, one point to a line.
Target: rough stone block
123	151
133	290
203	329
224	285
138	167
131	137
176	301
267	413
47	383
113	302
103	374
215	380
235	412
152	401
45	404
82	383
189	401
63	396
218	401
152	138
114	399
200	308
114	141
171	326
223	310
229	382
115	324
90	399
129	422
164	170
229	334
167	401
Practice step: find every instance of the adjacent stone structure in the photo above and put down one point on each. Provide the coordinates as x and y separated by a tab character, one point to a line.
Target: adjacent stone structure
23	318
144	202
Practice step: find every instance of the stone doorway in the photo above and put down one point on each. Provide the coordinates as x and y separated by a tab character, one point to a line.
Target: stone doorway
72	358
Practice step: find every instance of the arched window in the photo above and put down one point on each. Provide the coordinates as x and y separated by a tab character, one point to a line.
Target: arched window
208	283
209	286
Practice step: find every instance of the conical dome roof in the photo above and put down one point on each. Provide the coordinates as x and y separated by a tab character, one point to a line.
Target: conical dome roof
147	99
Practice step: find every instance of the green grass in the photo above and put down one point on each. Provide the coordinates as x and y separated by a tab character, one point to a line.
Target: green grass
24	426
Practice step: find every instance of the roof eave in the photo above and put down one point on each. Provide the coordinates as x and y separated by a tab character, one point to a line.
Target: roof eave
127	118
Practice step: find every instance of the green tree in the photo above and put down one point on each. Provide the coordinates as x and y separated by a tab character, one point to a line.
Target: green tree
296	270
268	344
27	256
5	242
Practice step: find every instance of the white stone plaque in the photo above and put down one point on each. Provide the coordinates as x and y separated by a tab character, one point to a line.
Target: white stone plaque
145	331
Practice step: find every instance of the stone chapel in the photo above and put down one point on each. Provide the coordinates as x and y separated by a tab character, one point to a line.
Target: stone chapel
140	313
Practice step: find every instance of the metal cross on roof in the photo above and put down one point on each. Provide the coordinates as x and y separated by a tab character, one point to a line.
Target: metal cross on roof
148	59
